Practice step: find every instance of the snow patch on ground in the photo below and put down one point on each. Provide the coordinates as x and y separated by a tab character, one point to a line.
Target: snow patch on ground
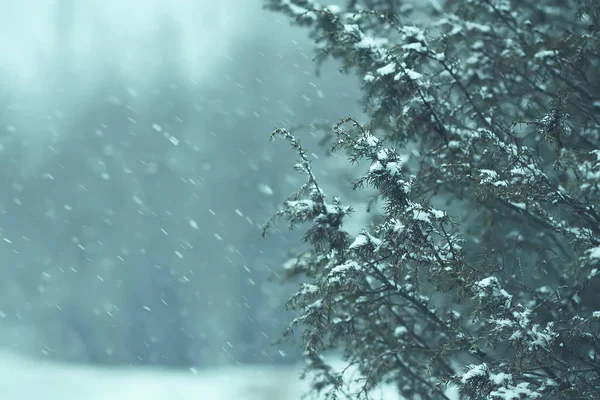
31	379
28	379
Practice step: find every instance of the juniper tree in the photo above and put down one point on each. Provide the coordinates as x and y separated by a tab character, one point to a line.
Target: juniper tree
482	269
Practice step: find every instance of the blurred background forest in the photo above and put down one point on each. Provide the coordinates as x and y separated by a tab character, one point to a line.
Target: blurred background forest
136	173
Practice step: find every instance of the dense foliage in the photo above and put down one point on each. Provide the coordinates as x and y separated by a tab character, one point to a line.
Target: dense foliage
482	269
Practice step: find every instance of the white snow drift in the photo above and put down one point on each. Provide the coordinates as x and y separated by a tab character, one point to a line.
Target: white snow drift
28	379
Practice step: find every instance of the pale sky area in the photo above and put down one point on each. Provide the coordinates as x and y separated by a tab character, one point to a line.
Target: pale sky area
119	29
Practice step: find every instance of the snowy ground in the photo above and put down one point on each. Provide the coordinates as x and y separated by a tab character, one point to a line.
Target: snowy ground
24	378
27	379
